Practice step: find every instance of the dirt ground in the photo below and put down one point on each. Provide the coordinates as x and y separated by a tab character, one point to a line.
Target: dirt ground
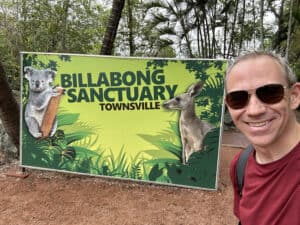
53	198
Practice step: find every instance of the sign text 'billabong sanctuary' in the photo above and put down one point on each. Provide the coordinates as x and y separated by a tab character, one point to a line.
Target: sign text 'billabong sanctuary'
139	90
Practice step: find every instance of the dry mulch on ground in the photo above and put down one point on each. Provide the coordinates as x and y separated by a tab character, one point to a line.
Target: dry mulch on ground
53	198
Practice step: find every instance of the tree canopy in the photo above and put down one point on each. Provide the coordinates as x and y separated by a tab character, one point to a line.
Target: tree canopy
159	28
152	28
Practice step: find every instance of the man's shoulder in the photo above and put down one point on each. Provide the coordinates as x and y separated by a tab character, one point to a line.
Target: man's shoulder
235	159
233	164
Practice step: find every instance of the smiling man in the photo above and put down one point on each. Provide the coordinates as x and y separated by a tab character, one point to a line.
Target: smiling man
262	95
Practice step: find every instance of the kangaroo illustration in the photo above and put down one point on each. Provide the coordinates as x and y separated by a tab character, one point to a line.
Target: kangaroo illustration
192	129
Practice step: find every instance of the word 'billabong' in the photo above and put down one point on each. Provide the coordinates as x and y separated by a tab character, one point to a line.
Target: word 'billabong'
117	86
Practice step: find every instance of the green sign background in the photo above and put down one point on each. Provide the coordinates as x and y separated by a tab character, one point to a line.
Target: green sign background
96	136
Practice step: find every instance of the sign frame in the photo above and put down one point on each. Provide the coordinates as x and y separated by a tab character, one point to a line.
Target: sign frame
76	88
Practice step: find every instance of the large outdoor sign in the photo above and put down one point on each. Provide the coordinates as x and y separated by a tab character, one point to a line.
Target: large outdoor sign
143	119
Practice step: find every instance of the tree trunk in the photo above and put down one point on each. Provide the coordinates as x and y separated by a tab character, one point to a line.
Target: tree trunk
231	45
226	21
112	27
242	22
130	26
289	31
254	22
213	24
66	5
9	109
281	33
262	25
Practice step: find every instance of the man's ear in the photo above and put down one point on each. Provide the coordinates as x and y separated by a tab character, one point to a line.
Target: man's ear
295	96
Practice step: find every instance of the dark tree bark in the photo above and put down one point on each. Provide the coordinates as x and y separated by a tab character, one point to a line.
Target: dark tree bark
130	26
9	109
281	34
66	6
261	25
231	49
112	27
242	22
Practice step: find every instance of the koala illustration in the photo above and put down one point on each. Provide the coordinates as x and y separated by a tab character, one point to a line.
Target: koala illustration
40	93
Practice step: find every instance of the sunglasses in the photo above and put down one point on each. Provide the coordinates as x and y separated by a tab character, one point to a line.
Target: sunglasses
269	94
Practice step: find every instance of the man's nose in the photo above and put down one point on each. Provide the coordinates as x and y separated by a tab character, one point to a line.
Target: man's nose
255	106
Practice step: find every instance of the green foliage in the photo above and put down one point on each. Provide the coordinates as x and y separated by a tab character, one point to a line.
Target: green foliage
202	165
136	38
62	27
211	96
32	60
65	151
57	152
166	166
48	26
118	165
167	141
157	63
294	53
